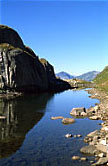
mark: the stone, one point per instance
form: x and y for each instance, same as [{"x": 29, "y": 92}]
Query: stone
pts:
[
  {"x": 83, "y": 114},
  {"x": 75, "y": 158},
  {"x": 94, "y": 117},
  {"x": 87, "y": 139},
  {"x": 92, "y": 134},
  {"x": 101, "y": 147},
  {"x": 83, "y": 159},
  {"x": 78, "y": 135},
  {"x": 101, "y": 155},
  {"x": 96, "y": 138},
  {"x": 68, "y": 120},
  {"x": 105, "y": 128},
  {"x": 90, "y": 149},
  {"x": 101, "y": 161},
  {"x": 93, "y": 142},
  {"x": 78, "y": 111},
  {"x": 96, "y": 108},
  {"x": 57, "y": 117},
  {"x": 68, "y": 135}
]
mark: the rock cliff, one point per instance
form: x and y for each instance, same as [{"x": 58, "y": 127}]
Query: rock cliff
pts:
[
  {"x": 10, "y": 36},
  {"x": 21, "y": 70}
]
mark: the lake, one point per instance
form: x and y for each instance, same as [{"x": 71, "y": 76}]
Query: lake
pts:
[{"x": 28, "y": 137}]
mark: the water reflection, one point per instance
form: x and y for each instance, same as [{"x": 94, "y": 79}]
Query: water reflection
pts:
[{"x": 21, "y": 115}]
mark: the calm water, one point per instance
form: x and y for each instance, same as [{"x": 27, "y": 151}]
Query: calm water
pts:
[{"x": 30, "y": 138}]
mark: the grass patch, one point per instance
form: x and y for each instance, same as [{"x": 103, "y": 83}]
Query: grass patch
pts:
[{"x": 101, "y": 80}]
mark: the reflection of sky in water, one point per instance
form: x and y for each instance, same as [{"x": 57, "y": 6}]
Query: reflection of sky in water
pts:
[{"x": 45, "y": 144}]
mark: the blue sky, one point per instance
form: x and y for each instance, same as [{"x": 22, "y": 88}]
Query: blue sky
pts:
[{"x": 71, "y": 35}]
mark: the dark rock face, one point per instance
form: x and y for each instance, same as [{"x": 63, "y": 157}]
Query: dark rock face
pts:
[
  {"x": 49, "y": 70},
  {"x": 21, "y": 71},
  {"x": 20, "y": 68},
  {"x": 54, "y": 84},
  {"x": 8, "y": 35}
]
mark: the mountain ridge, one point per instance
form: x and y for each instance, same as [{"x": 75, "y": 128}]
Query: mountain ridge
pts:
[{"x": 89, "y": 76}]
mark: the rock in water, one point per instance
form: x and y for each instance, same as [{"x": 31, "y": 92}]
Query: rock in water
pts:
[
  {"x": 101, "y": 161},
  {"x": 68, "y": 120},
  {"x": 81, "y": 111},
  {"x": 90, "y": 149},
  {"x": 75, "y": 157},
  {"x": 83, "y": 159},
  {"x": 68, "y": 135},
  {"x": 56, "y": 117}
]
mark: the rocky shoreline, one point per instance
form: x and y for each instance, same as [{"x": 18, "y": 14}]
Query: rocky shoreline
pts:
[{"x": 98, "y": 139}]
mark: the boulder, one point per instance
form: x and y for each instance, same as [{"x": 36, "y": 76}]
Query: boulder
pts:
[
  {"x": 101, "y": 147},
  {"x": 81, "y": 111},
  {"x": 96, "y": 108},
  {"x": 84, "y": 114},
  {"x": 93, "y": 110},
  {"x": 94, "y": 117},
  {"x": 68, "y": 120},
  {"x": 101, "y": 161},
  {"x": 90, "y": 149},
  {"x": 92, "y": 134},
  {"x": 105, "y": 128},
  {"x": 101, "y": 155}
]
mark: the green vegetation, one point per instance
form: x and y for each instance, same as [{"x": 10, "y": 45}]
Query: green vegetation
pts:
[{"x": 102, "y": 80}]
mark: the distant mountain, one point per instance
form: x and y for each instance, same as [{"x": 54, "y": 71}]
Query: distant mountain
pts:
[
  {"x": 64, "y": 75},
  {"x": 89, "y": 76}
]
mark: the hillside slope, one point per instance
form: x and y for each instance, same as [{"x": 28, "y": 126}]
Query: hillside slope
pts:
[{"x": 102, "y": 79}]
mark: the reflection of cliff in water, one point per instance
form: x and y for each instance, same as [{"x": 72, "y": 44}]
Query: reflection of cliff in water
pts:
[{"x": 21, "y": 115}]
